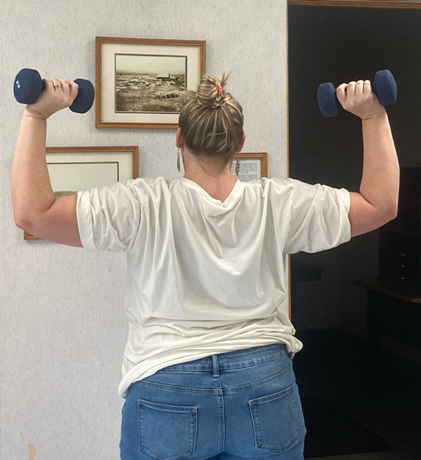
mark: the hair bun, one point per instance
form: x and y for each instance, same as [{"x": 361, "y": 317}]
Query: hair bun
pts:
[
  {"x": 210, "y": 92},
  {"x": 208, "y": 132}
]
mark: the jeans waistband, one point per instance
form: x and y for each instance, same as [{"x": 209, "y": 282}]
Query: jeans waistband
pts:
[{"x": 232, "y": 360}]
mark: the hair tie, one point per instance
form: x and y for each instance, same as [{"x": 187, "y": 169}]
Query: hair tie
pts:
[
  {"x": 221, "y": 98},
  {"x": 219, "y": 86}
]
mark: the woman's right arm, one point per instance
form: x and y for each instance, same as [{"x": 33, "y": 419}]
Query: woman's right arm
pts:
[{"x": 35, "y": 207}]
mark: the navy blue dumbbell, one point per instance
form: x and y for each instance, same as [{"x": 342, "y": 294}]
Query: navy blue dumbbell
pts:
[
  {"x": 384, "y": 86},
  {"x": 28, "y": 87}
]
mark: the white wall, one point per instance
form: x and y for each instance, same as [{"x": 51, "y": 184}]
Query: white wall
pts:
[{"x": 62, "y": 325}]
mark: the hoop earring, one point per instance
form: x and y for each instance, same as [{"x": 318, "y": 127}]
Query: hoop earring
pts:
[
  {"x": 178, "y": 160},
  {"x": 237, "y": 165}
]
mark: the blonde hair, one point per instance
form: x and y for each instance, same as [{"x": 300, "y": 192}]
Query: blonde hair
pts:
[{"x": 212, "y": 122}]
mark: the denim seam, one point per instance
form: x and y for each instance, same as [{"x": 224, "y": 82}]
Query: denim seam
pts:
[
  {"x": 254, "y": 362},
  {"x": 258, "y": 382},
  {"x": 214, "y": 391},
  {"x": 180, "y": 389},
  {"x": 257, "y": 350},
  {"x": 225, "y": 368}
]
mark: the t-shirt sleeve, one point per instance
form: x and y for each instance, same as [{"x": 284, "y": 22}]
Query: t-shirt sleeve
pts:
[
  {"x": 109, "y": 217},
  {"x": 319, "y": 218}
]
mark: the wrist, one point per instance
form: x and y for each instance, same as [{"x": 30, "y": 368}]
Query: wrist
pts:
[
  {"x": 30, "y": 112},
  {"x": 377, "y": 115}
]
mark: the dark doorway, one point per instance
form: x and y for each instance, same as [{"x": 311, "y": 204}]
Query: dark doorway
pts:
[
  {"x": 330, "y": 311},
  {"x": 340, "y": 45}
]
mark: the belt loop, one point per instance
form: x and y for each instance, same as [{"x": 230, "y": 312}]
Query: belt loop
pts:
[{"x": 215, "y": 366}]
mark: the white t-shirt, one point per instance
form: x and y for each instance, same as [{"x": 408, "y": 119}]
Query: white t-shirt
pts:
[{"x": 204, "y": 276}]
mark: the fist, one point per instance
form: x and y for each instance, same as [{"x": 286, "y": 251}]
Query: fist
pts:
[
  {"x": 58, "y": 95},
  {"x": 359, "y": 99}
]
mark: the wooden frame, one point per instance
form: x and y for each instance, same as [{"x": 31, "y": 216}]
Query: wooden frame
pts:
[
  {"x": 256, "y": 164},
  {"x": 400, "y": 4},
  {"x": 139, "y": 82},
  {"x": 73, "y": 169}
]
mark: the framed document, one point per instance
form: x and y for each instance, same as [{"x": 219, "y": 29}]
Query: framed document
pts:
[
  {"x": 253, "y": 166},
  {"x": 74, "y": 169}
]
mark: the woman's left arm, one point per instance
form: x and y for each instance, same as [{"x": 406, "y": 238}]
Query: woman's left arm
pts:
[{"x": 377, "y": 200}]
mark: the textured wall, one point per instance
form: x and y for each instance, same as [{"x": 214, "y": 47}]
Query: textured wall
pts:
[{"x": 62, "y": 326}]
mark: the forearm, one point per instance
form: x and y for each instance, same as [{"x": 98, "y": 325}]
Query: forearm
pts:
[
  {"x": 31, "y": 189},
  {"x": 380, "y": 180}
]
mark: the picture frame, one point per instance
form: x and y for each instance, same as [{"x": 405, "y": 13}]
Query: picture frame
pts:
[
  {"x": 74, "y": 169},
  {"x": 139, "y": 82},
  {"x": 253, "y": 166}
]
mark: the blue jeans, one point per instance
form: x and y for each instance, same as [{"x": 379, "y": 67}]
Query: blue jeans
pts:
[{"x": 237, "y": 405}]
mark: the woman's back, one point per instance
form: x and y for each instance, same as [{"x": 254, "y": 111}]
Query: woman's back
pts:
[{"x": 204, "y": 275}]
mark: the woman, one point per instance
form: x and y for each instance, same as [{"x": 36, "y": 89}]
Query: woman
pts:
[{"x": 207, "y": 369}]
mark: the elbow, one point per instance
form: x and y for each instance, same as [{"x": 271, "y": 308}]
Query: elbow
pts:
[
  {"x": 393, "y": 213},
  {"x": 390, "y": 214},
  {"x": 23, "y": 222}
]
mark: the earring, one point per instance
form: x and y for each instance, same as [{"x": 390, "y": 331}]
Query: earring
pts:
[
  {"x": 178, "y": 160},
  {"x": 237, "y": 166}
]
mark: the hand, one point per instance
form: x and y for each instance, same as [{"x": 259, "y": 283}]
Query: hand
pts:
[
  {"x": 58, "y": 95},
  {"x": 359, "y": 99}
]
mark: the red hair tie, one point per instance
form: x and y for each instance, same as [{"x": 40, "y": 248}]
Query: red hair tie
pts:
[{"x": 220, "y": 99}]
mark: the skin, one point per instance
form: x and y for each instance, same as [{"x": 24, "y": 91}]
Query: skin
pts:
[
  {"x": 377, "y": 202},
  {"x": 207, "y": 173},
  {"x": 37, "y": 211}
]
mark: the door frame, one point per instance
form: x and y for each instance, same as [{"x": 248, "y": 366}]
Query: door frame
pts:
[{"x": 401, "y": 4}]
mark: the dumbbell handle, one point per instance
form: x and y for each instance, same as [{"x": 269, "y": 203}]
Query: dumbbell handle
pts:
[
  {"x": 29, "y": 85},
  {"x": 86, "y": 92},
  {"x": 373, "y": 87},
  {"x": 384, "y": 86}
]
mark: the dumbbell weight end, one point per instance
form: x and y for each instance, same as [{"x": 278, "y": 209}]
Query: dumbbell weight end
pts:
[
  {"x": 327, "y": 99},
  {"x": 28, "y": 86},
  {"x": 85, "y": 97},
  {"x": 384, "y": 86}
]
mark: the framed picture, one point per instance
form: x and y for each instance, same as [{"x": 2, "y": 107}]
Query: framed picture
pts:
[
  {"x": 139, "y": 82},
  {"x": 253, "y": 166},
  {"x": 74, "y": 169}
]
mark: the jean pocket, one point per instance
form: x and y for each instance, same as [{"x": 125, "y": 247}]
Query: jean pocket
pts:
[
  {"x": 167, "y": 432},
  {"x": 276, "y": 420}
]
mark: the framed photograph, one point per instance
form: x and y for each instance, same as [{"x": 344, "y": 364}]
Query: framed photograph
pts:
[
  {"x": 253, "y": 166},
  {"x": 74, "y": 169},
  {"x": 139, "y": 82}
]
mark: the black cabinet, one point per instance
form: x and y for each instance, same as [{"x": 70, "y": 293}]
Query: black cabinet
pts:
[
  {"x": 400, "y": 240},
  {"x": 400, "y": 255},
  {"x": 394, "y": 297}
]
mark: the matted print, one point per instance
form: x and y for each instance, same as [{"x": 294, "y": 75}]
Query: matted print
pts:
[{"x": 140, "y": 82}]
